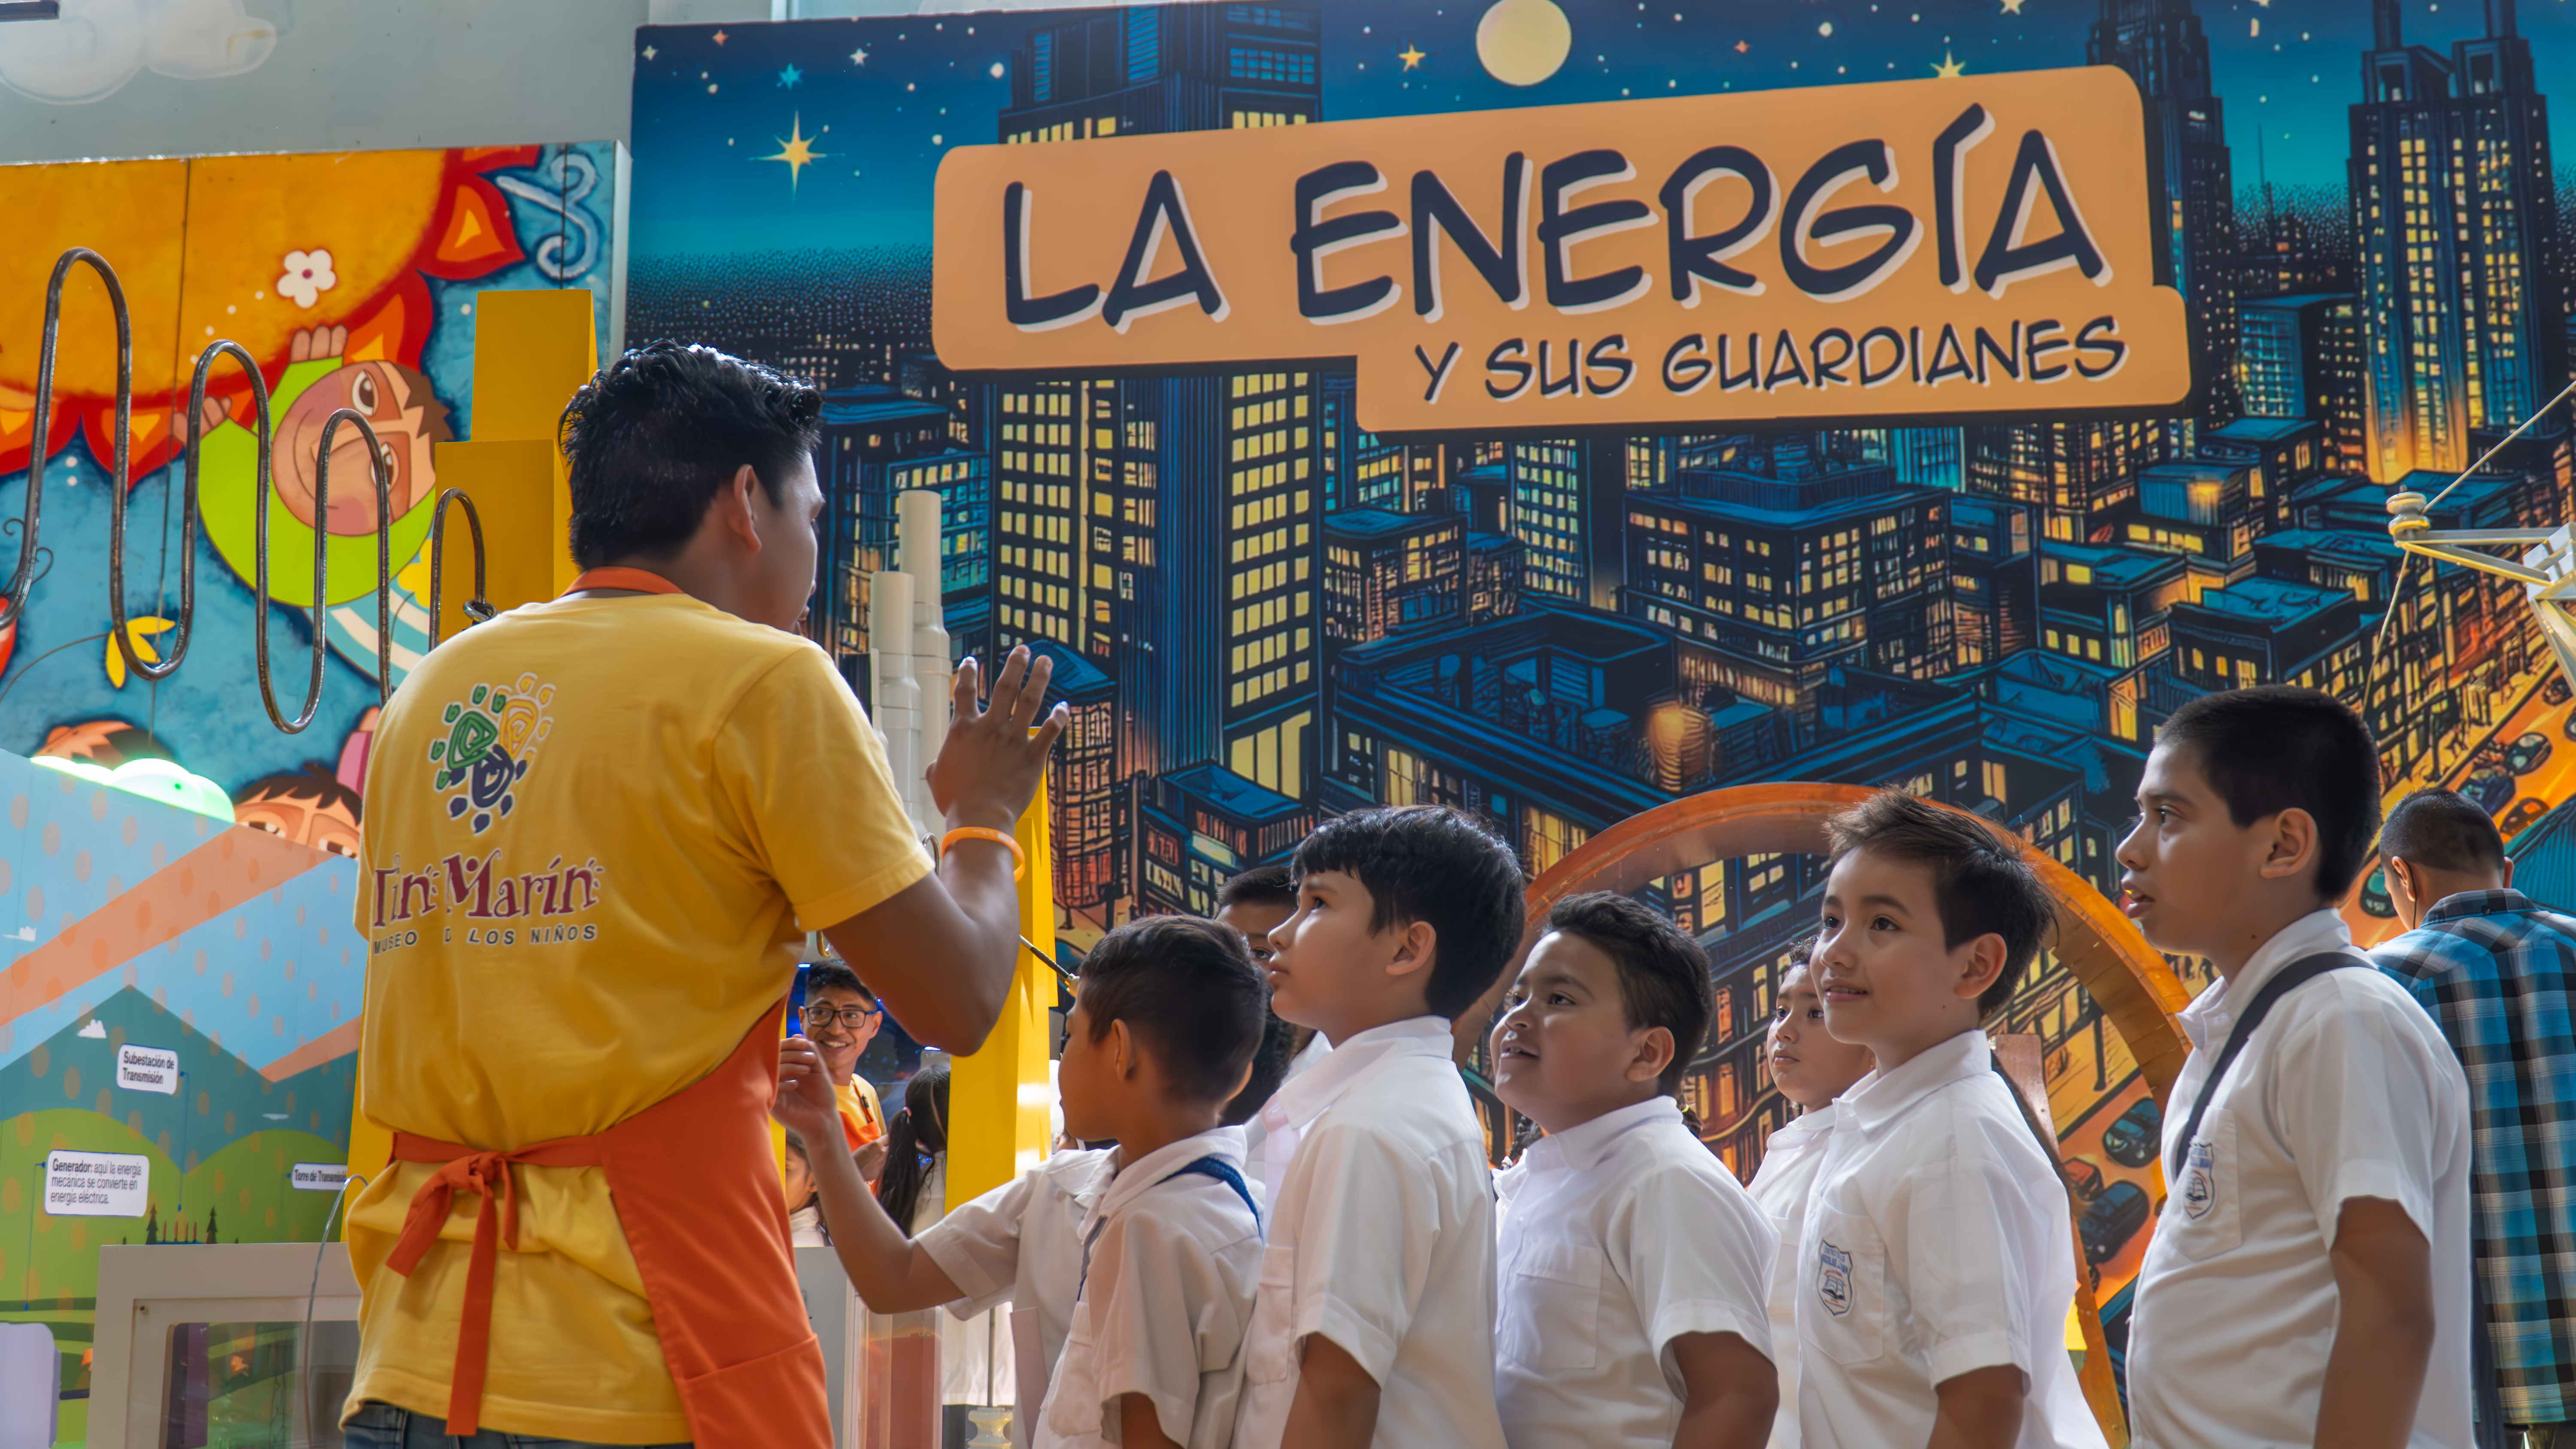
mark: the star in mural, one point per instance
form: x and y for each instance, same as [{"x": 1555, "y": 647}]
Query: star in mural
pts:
[
  {"x": 2013, "y": 7},
  {"x": 650, "y": 52},
  {"x": 797, "y": 150},
  {"x": 1742, "y": 46},
  {"x": 790, "y": 78},
  {"x": 1412, "y": 56},
  {"x": 719, "y": 37},
  {"x": 859, "y": 57},
  {"x": 1949, "y": 67}
]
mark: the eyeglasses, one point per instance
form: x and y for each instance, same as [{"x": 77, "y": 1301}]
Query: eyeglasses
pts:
[{"x": 851, "y": 1018}]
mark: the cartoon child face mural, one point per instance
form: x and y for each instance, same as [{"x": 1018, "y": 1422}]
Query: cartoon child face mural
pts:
[
  {"x": 308, "y": 806},
  {"x": 394, "y": 399}
]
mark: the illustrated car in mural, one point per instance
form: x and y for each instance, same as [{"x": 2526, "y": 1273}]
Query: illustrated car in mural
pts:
[
  {"x": 2113, "y": 1219},
  {"x": 2555, "y": 691},
  {"x": 2131, "y": 1138},
  {"x": 2491, "y": 791},
  {"x": 2527, "y": 754},
  {"x": 2519, "y": 818},
  {"x": 2084, "y": 1177},
  {"x": 2374, "y": 896}
]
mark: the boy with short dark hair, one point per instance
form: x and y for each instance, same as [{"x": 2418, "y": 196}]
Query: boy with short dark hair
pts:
[
  {"x": 1633, "y": 1265},
  {"x": 2493, "y": 968},
  {"x": 1253, "y": 903},
  {"x": 2308, "y": 1281},
  {"x": 1130, "y": 1269},
  {"x": 1936, "y": 1257},
  {"x": 1375, "y": 1323}
]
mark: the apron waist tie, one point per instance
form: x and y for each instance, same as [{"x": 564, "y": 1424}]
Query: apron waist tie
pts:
[{"x": 486, "y": 1174}]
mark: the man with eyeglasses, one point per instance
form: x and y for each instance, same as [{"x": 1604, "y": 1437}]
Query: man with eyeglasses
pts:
[{"x": 841, "y": 1017}]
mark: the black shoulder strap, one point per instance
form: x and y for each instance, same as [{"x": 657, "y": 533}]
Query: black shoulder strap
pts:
[{"x": 2293, "y": 976}]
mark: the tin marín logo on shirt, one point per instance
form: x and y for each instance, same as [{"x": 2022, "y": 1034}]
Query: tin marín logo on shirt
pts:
[
  {"x": 2199, "y": 1182},
  {"x": 1833, "y": 1279},
  {"x": 501, "y": 908},
  {"x": 492, "y": 736}
]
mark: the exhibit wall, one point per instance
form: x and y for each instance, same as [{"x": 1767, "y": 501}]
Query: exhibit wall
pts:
[
  {"x": 1556, "y": 409},
  {"x": 215, "y": 948}
]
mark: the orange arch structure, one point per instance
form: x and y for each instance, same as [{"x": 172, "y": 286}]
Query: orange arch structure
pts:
[{"x": 2135, "y": 988}]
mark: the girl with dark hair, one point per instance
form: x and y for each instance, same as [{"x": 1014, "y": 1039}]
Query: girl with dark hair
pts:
[{"x": 914, "y": 1186}]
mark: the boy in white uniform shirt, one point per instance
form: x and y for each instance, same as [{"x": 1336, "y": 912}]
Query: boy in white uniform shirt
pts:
[
  {"x": 1936, "y": 1263},
  {"x": 2308, "y": 1281},
  {"x": 1633, "y": 1266},
  {"x": 1167, "y": 1242},
  {"x": 1811, "y": 1069},
  {"x": 1375, "y": 1323}
]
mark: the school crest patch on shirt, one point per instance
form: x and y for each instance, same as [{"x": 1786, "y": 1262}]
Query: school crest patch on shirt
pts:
[
  {"x": 2199, "y": 1182},
  {"x": 1834, "y": 1279}
]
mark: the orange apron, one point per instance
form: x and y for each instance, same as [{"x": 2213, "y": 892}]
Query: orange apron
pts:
[{"x": 695, "y": 1180}]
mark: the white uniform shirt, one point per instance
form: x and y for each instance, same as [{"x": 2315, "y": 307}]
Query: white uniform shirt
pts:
[
  {"x": 1936, "y": 1242},
  {"x": 1256, "y": 1133},
  {"x": 2346, "y": 1090},
  {"x": 1617, "y": 1237},
  {"x": 1788, "y": 1173},
  {"x": 1164, "y": 1303},
  {"x": 1022, "y": 1243},
  {"x": 1381, "y": 1240}
]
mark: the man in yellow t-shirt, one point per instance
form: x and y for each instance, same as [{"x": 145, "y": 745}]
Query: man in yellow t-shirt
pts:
[
  {"x": 596, "y": 831},
  {"x": 841, "y": 1017}
]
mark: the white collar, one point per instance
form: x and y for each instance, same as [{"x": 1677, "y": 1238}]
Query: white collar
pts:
[
  {"x": 1883, "y": 1096},
  {"x": 1795, "y": 1131},
  {"x": 1304, "y": 1099},
  {"x": 1132, "y": 1182},
  {"x": 1581, "y": 1147},
  {"x": 2321, "y": 930}
]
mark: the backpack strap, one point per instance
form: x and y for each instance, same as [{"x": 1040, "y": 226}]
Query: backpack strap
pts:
[
  {"x": 1223, "y": 1171},
  {"x": 2291, "y": 977}
]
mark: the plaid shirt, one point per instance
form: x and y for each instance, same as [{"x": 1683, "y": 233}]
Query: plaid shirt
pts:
[{"x": 2495, "y": 971}]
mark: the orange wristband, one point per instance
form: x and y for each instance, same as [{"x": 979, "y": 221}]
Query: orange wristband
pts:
[{"x": 1019, "y": 857}]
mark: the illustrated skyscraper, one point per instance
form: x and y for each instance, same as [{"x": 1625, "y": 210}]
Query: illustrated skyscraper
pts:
[
  {"x": 2455, "y": 222},
  {"x": 2160, "y": 44},
  {"x": 1164, "y": 528}
]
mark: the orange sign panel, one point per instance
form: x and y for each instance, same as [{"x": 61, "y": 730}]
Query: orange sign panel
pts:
[{"x": 1963, "y": 245}]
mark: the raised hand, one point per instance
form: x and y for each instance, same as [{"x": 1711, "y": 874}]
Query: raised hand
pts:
[
  {"x": 988, "y": 767},
  {"x": 804, "y": 1103}
]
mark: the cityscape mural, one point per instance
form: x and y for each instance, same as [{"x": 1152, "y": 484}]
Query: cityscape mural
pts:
[{"x": 1262, "y": 614}]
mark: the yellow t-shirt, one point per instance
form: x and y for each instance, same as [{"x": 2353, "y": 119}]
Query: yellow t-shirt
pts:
[{"x": 656, "y": 799}]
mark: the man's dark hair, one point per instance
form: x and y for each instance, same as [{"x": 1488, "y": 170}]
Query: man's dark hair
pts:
[
  {"x": 2278, "y": 748},
  {"x": 1263, "y": 885},
  {"x": 1663, "y": 973},
  {"x": 1431, "y": 864},
  {"x": 836, "y": 976},
  {"x": 1269, "y": 1070},
  {"x": 2440, "y": 830},
  {"x": 656, "y": 433},
  {"x": 1189, "y": 993},
  {"x": 1980, "y": 885}
]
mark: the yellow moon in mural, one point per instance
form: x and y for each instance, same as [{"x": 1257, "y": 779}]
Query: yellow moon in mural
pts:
[{"x": 1522, "y": 42}]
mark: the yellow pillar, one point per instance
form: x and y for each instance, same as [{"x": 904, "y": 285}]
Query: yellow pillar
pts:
[
  {"x": 532, "y": 350},
  {"x": 997, "y": 1098}
]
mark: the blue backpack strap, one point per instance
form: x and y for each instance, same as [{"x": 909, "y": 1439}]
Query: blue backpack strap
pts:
[{"x": 1223, "y": 1171}]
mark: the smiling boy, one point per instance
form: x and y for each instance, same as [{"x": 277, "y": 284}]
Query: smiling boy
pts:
[
  {"x": 1937, "y": 1257},
  {"x": 2308, "y": 1281},
  {"x": 1633, "y": 1266},
  {"x": 1811, "y": 1069},
  {"x": 1375, "y": 1323}
]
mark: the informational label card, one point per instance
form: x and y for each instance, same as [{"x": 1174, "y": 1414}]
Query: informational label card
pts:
[
  {"x": 96, "y": 1184},
  {"x": 147, "y": 1069},
  {"x": 319, "y": 1176}
]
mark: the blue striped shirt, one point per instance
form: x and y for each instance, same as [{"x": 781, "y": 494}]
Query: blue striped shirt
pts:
[{"x": 2494, "y": 970}]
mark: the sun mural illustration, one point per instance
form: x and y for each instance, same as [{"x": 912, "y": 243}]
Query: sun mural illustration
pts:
[{"x": 320, "y": 267}]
